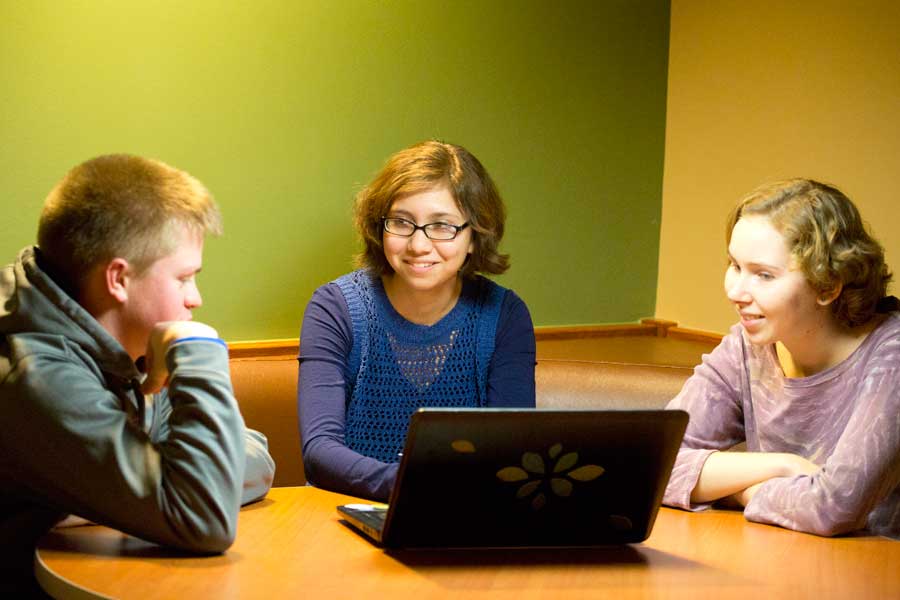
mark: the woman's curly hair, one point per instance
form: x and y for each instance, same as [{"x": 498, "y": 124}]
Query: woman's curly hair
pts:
[{"x": 829, "y": 241}]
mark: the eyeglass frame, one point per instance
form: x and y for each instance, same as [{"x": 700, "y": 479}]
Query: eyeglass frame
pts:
[{"x": 424, "y": 228}]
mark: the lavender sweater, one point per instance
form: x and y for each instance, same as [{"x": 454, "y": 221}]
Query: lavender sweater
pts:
[{"x": 845, "y": 419}]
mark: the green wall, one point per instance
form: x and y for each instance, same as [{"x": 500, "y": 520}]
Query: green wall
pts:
[{"x": 286, "y": 108}]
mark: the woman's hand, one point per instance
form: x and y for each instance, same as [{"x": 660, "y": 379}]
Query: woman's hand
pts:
[{"x": 794, "y": 464}]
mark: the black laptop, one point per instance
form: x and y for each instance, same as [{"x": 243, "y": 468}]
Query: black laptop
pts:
[{"x": 533, "y": 478}]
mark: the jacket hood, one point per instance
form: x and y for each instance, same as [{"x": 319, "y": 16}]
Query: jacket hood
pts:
[{"x": 31, "y": 302}]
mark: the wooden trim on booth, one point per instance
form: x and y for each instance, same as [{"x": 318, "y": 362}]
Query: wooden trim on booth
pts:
[
  {"x": 264, "y": 349},
  {"x": 694, "y": 335},
  {"x": 288, "y": 348},
  {"x": 579, "y": 332},
  {"x": 662, "y": 325},
  {"x": 670, "y": 329}
]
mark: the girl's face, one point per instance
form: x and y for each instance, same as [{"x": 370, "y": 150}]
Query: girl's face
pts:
[
  {"x": 422, "y": 264},
  {"x": 769, "y": 291}
]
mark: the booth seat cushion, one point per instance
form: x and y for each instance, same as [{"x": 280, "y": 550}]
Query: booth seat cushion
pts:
[
  {"x": 266, "y": 390},
  {"x": 606, "y": 385}
]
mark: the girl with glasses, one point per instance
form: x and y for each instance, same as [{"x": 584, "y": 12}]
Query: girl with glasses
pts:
[
  {"x": 416, "y": 325},
  {"x": 808, "y": 379}
]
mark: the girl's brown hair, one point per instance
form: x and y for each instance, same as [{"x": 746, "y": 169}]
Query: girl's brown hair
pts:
[{"x": 423, "y": 167}]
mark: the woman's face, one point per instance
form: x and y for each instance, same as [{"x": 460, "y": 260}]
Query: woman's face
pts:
[
  {"x": 769, "y": 291},
  {"x": 420, "y": 263}
]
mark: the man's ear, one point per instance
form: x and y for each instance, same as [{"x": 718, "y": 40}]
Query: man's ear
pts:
[
  {"x": 828, "y": 296},
  {"x": 117, "y": 276}
]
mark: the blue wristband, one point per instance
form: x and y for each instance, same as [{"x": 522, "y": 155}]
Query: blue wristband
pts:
[{"x": 199, "y": 338}]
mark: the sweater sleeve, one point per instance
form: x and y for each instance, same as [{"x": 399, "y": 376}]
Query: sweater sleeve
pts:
[
  {"x": 712, "y": 398},
  {"x": 511, "y": 371},
  {"x": 86, "y": 454},
  {"x": 326, "y": 340},
  {"x": 259, "y": 467},
  {"x": 858, "y": 475}
]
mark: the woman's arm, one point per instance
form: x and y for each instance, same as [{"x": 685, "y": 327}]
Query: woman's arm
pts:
[
  {"x": 861, "y": 471},
  {"x": 325, "y": 343},
  {"x": 712, "y": 398},
  {"x": 732, "y": 473},
  {"x": 511, "y": 371}
]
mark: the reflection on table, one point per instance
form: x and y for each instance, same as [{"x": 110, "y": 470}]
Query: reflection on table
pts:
[{"x": 293, "y": 544}]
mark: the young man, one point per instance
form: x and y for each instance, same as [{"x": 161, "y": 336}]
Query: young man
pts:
[{"x": 115, "y": 406}]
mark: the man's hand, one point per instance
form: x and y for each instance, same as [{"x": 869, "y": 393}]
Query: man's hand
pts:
[{"x": 161, "y": 338}]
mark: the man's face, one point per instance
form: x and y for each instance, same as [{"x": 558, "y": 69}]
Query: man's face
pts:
[{"x": 165, "y": 291}]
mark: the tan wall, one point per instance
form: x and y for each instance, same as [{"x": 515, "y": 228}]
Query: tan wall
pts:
[{"x": 769, "y": 90}]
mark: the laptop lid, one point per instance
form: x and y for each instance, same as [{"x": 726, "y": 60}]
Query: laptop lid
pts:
[{"x": 511, "y": 477}]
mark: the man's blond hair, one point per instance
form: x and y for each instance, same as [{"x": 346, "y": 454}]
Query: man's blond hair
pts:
[{"x": 121, "y": 205}]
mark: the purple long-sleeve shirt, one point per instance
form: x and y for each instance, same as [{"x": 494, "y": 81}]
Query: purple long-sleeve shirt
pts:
[
  {"x": 326, "y": 339},
  {"x": 845, "y": 419}
]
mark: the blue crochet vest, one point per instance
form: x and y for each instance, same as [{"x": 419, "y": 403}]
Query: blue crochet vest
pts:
[{"x": 396, "y": 367}]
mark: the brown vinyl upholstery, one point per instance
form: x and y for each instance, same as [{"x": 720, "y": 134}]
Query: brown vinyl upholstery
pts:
[
  {"x": 266, "y": 390},
  {"x": 606, "y": 385}
]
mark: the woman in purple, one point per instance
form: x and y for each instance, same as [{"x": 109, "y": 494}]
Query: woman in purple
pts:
[
  {"x": 809, "y": 378},
  {"x": 417, "y": 325}
]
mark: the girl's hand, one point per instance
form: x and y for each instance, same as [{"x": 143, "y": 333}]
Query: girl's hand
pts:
[
  {"x": 734, "y": 473},
  {"x": 791, "y": 465}
]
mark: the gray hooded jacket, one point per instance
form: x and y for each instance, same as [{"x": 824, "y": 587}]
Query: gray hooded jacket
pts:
[{"x": 76, "y": 436}]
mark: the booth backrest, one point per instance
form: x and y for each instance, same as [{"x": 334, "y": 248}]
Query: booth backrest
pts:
[
  {"x": 606, "y": 385},
  {"x": 266, "y": 390}
]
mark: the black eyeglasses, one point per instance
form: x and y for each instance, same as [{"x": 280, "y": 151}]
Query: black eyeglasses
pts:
[{"x": 433, "y": 231}]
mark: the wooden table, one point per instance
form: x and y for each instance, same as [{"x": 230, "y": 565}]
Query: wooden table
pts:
[{"x": 293, "y": 545}]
